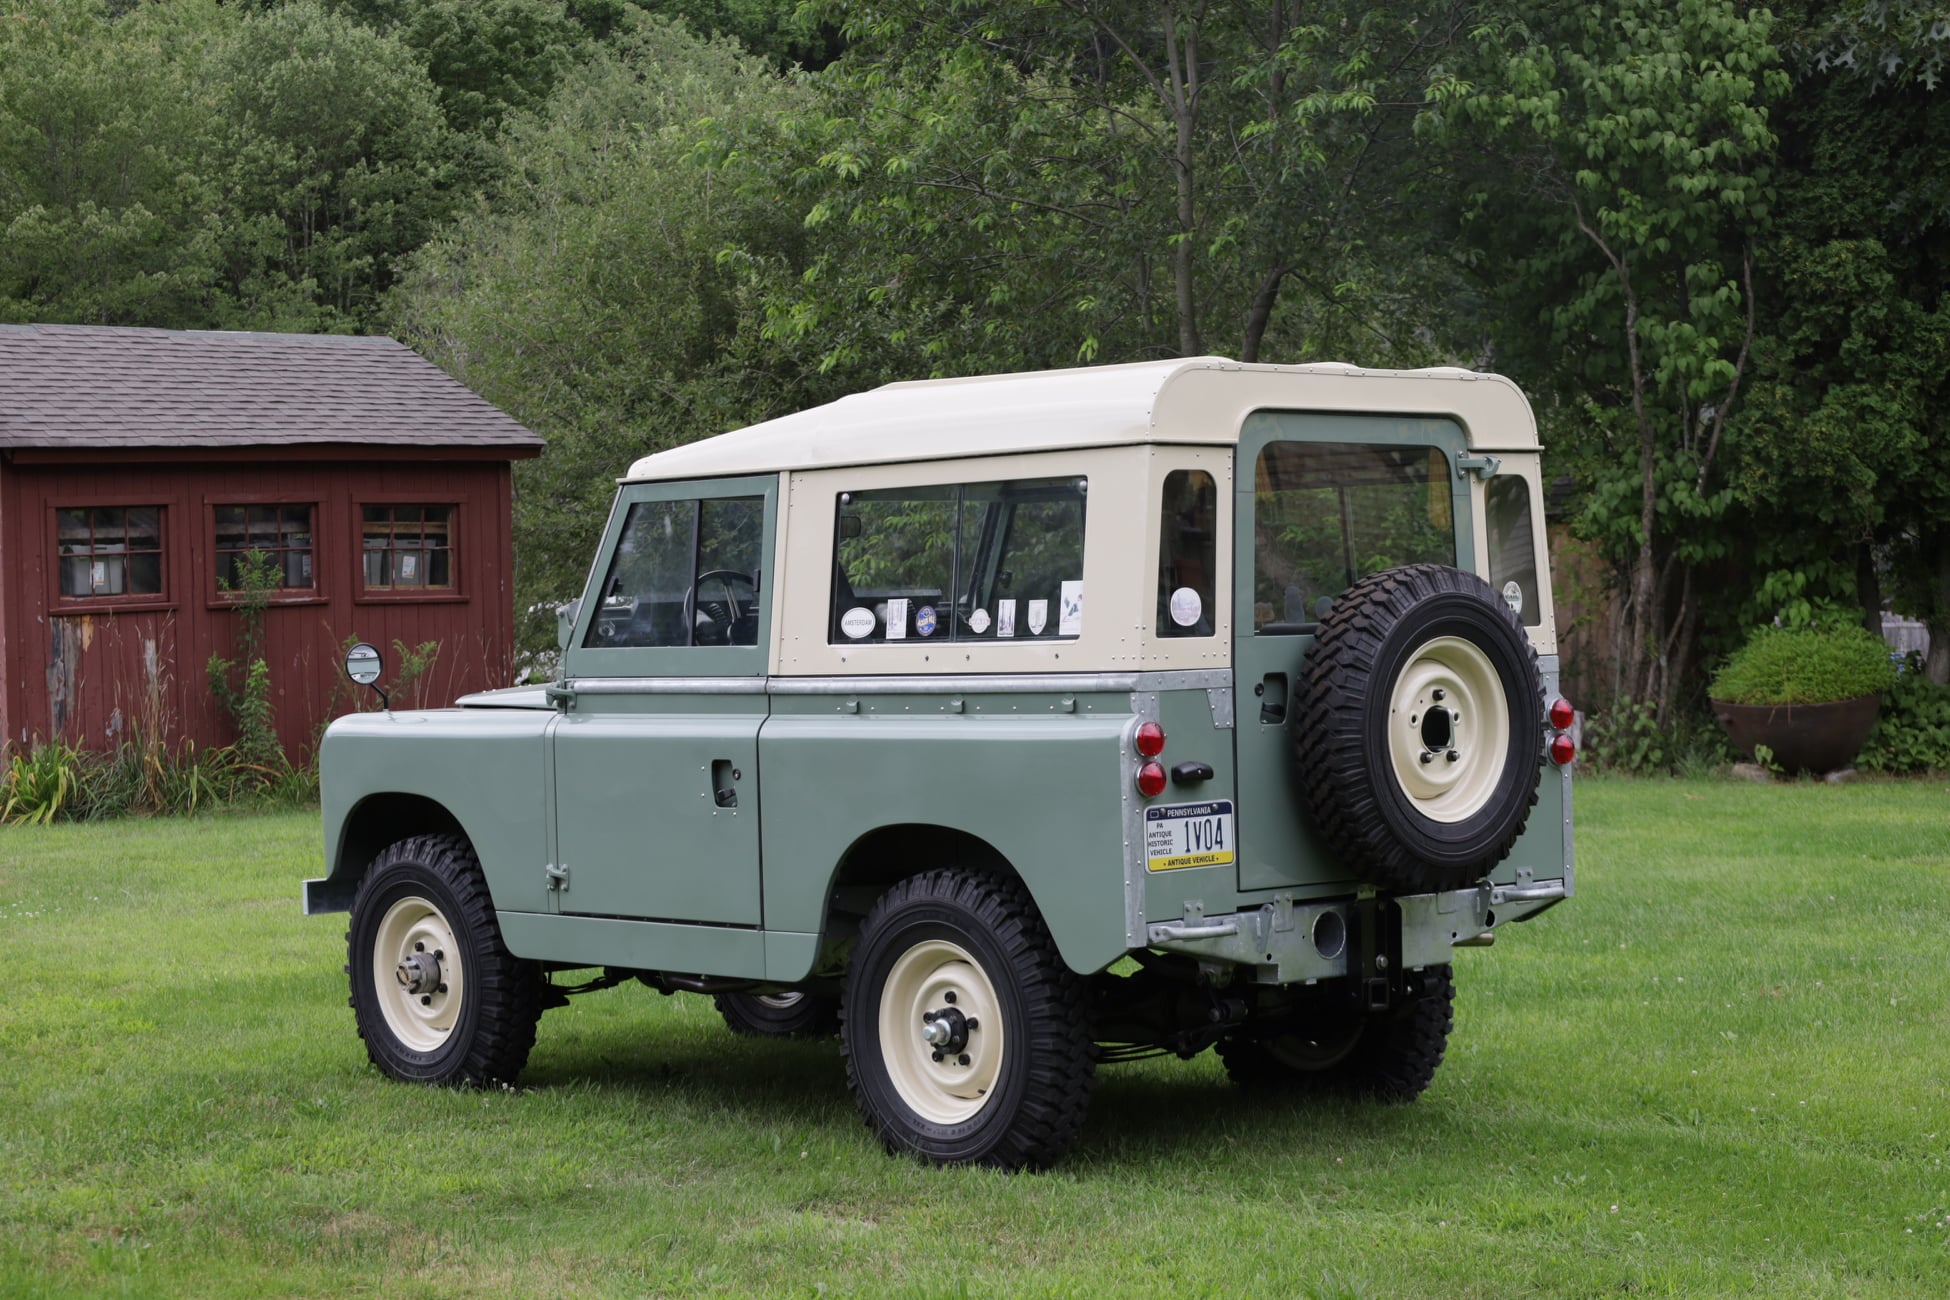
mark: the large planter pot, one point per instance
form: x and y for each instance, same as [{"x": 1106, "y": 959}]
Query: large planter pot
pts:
[{"x": 1803, "y": 737}]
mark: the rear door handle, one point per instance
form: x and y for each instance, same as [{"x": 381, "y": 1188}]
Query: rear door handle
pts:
[{"x": 1191, "y": 773}]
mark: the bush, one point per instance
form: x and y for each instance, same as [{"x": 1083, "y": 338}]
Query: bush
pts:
[
  {"x": 1804, "y": 666},
  {"x": 1627, "y": 738},
  {"x": 1913, "y": 732},
  {"x": 58, "y": 782}
]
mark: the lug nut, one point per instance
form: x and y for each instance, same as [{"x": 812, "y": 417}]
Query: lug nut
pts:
[
  {"x": 425, "y": 1000},
  {"x": 1427, "y": 757},
  {"x": 971, "y": 1024},
  {"x": 1437, "y": 694},
  {"x": 927, "y": 1017},
  {"x": 441, "y": 989},
  {"x": 1453, "y": 756},
  {"x": 962, "y": 1059},
  {"x": 949, "y": 997},
  {"x": 440, "y": 954},
  {"x": 419, "y": 947},
  {"x": 937, "y": 1058}
]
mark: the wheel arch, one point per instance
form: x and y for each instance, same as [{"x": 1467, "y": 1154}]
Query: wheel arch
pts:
[
  {"x": 376, "y": 821},
  {"x": 883, "y": 857}
]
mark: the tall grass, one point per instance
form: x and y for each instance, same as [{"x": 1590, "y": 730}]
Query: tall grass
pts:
[{"x": 56, "y": 781}]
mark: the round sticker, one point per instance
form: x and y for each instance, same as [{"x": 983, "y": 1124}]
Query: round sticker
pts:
[
  {"x": 858, "y": 622},
  {"x": 1186, "y": 607},
  {"x": 978, "y": 622},
  {"x": 1513, "y": 596},
  {"x": 924, "y": 620}
]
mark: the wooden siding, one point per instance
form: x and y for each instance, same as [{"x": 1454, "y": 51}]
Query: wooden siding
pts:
[{"x": 89, "y": 670}]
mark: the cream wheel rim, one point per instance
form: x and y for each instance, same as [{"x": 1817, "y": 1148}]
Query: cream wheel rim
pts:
[
  {"x": 937, "y": 980},
  {"x": 417, "y": 974},
  {"x": 1448, "y": 729}
]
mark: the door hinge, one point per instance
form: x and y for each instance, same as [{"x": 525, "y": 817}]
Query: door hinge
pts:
[
  {"x": 558, "y": 876},
  {"x": 1480, "y": 466}
]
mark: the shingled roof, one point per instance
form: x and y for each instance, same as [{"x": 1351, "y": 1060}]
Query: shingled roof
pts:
[{"x": 81, "y": 386}]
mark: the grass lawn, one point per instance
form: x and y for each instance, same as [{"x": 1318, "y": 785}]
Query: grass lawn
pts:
[{"x": 1724, "y": 1068}]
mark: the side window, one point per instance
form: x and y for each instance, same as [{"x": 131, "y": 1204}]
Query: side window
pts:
[
  {"x": 1187, "y": 553},
  {"x": 1513, "y": 545},
  {"x": 685, "y": 573},
  {"x": 1327, "y": 513},
  {"x": 970, "y": 562},
  {"x": 110, "y": 551}
]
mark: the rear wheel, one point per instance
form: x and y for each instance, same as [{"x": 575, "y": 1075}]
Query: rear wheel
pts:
[
  {"x": 965, "y": 1034},
  {"x": 1392, "y": 1056},
  {"x": 789, "y": 1014},
  {"x": 436, "y": 995}
]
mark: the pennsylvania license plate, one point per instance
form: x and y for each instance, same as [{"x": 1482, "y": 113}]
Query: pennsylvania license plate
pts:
[{"x": 1188, "y": 835}]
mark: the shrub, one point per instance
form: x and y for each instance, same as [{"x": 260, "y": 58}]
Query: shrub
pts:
[
  {"x": 1804, "y": 666},
  {"x": 1913, "y": 732},
  {"x": 1627, "y": 738}
]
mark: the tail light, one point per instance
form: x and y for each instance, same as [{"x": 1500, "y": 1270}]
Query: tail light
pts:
[
  {"x": 1150, "y": 739},
  {"x": 1562, "y": 748},
  {"x": 1151, "y": 780}
]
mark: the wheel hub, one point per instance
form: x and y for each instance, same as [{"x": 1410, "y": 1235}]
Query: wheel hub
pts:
[
  {"x": 419, "y": 973},
  {"x": 1448, "y": 729},
  {"x": 946, "y": 1031}
]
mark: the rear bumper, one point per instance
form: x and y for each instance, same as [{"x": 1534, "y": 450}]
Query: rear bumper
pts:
[{"x": 1287, "y": 942}]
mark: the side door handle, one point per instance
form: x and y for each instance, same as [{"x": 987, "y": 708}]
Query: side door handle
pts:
[{"x": 724, "y": 779}]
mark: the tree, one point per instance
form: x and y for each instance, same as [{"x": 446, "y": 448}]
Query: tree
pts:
[
  {"x": 1627, "y": 187},
  {"x": 587, "y": 295}
]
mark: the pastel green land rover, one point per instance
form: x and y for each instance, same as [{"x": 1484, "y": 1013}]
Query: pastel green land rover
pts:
[{"x": 1009, "y": 727}]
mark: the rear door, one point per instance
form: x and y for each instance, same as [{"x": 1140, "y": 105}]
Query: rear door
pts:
[
  {"x": 1322, "y": 499},
  {"x": 656, "y": 757}
]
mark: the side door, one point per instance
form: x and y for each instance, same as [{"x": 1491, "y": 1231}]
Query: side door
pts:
[
  {"x": 655, "y": 760},
  {"x": 1321, "y": 500}
]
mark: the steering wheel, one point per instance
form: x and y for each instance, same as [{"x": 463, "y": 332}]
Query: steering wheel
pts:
[{"x": 720, "y": 618}]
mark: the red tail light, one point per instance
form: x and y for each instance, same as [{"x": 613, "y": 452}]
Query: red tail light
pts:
[
  {"x": 1150, "y": 739},
  {"x": 1151, "y": 780},
  {"x": 1563, "y": 750},
  {"x": 1562, "y": 714}
]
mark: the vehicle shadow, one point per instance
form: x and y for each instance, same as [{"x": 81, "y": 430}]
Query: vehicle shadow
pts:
[{"x": 1163, "y": 1109}]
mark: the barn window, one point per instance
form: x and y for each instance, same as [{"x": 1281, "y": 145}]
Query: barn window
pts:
[
  {"x": 110, "y": 551},
  {"x": 409, "y": 548},
  {"x": 282, "y": 533}
]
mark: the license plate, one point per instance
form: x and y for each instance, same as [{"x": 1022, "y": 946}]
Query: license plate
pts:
[{"x": 1188, "y": 835}]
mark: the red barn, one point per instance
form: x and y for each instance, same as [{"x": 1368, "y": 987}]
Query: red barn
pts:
[{"x": 137, "y": 466}]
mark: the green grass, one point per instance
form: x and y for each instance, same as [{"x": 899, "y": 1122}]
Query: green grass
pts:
[{"x": 1721, "y": 1069}]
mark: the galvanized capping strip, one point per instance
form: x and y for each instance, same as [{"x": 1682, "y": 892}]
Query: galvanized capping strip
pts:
[{"x": 956, "y": 683}]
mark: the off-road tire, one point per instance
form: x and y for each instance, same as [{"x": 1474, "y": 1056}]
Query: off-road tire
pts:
[
  {"x": 1390, "y": 1057},
  {"x": 780, "y": 1015},
  {"x": 487, "y": 1036},
  {"x": 1042, "y": 1065},
  {"x": 1384, "y": 632}
]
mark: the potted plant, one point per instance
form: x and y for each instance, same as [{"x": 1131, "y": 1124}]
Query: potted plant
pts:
[{"x": 1808, "y": 694}]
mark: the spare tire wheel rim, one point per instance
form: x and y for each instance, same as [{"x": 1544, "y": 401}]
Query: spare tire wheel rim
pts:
[
  {"x": 1448, "y": 729},
  {"x": 417, "y": 974},
  {"x": 941, "y": 1033}
]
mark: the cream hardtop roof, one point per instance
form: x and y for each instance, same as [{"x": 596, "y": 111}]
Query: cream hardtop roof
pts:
[{"x": 1195, "y": 400}]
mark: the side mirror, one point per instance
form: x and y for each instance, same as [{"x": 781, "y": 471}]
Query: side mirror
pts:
[
  {"x": 364, "y": 665},
  {"x": 565, "y": 622}
]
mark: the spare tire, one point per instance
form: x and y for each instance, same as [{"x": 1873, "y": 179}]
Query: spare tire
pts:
[{"x": 1419, "y": 732}]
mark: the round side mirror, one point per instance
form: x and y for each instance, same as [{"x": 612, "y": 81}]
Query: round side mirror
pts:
[{"x": 363, "y": 664}]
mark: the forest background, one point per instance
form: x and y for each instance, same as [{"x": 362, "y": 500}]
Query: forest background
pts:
[{"x": 1707, "y": 238}]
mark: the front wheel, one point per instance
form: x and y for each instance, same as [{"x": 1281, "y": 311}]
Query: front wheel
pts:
[
  {"x": 965, "y": 1035},
  {"x": 787, "y": 1014},
  {"x": 436, "y": 995},
  {"x": 1392, "y": 1056}
]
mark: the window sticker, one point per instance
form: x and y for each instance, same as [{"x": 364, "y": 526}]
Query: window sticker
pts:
[
  {"x": 1071, "y": 622},
  {"x": 858, "y": 622},
  {"x": 1513, "y": 597},
  {"x": 1038, "y": 616},
  {"x": 1005, "y": 617},
  {"x": 924, "y": 621},
  {"x": 1186, "y": 607},
  {"x": 897, "y": 619},
  {"x": 978, "y": 622}
]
